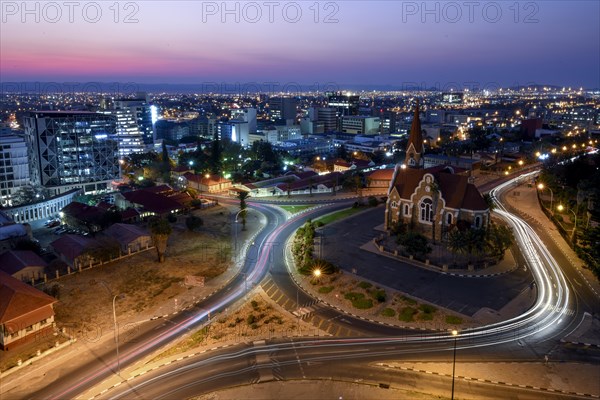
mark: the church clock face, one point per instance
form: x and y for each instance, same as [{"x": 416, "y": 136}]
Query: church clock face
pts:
[{"x": 427, "y": 189}]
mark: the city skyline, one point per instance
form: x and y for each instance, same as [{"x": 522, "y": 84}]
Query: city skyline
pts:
[{"x": 376, "y": 44}]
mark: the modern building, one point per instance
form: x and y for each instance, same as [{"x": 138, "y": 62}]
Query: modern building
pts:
[
  {"x": 14, "y": 167},
  {"x": 129, "y": 136},
  {"x": 171, "y": 130},
  {"x": 248, "y": 115},
  {"x": 360, "y": 125},
  {"x": 234, "y": 130},
  {"x": 283, "y": 108},
  {"x": 325, "y": 116},
  {"x": 72, "y": 150},
  {"x": 288, "y": 132},
  {"x": 343, "y": 103},
  {"x": 140, "y": 107}
]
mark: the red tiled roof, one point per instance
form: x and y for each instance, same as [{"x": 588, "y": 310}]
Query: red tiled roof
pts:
[
  {"x": 14, "y": 261},
  {"x": 129, "y": 213},
  {"x": 152, "y": 202},
  {"x": 22, "y": 305},
  {"x": 71, "y": 246},
  {"x": 382, "y": 174},
  {"x": 82, "y": 212},
  {"x": 125, "y": 233},
  {"x": 104, "y": 206},
  {"x": 454, "y": 189}
]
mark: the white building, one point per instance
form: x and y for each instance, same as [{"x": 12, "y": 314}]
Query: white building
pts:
[
  {"x": 129, "y": 135},
  {"x": 358, "y": 124},
  {"x": 14, "y": 167},
  {"x": 246, "y": 114}
]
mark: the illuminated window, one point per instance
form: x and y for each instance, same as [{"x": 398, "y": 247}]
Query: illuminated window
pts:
[{"x": 426, "y": 210}]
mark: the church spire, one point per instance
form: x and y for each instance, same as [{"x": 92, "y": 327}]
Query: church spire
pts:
[{"x": 414, "y": 148}]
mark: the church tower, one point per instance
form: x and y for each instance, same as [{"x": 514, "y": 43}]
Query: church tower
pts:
[{"x": 414, "y": 149}]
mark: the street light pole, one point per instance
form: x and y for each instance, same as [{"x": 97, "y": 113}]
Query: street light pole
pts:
[
  {"x": 541, "y": 187},
  {"x": 455, "y": 334},
  {"x": 116, "y": 334}
]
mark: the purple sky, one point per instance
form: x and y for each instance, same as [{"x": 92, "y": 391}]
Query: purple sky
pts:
[{"x": 372, "y": 42}]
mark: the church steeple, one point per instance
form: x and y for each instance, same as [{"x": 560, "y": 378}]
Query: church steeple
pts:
[{"x": 414, "y": 148}]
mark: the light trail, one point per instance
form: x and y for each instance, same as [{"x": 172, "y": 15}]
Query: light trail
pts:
[{"x": 543, "y": 320}]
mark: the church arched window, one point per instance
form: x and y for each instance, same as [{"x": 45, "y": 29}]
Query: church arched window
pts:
[
  {"x": 426, "y": 210},
  {"x": 449, "y": 219},
  {"x": 477, "y": 222},
  {"x": 406, "y": 210}
]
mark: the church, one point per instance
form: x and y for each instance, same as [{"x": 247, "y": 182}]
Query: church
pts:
[{"x": 431, "y": 200}]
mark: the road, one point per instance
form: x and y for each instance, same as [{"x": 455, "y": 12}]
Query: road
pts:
[{"x": 527, "y": 336}]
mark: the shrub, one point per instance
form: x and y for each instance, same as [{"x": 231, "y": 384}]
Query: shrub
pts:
[
  {"x": 372, "y": 200},
  {"x": 388, "y": 312},
  {"x": 251, "y": 319},
  {"x": 427, "y": 309},
  {"x": 406, "y": 314},
  {"x": 325, "y": 289},
  {"x": 408, "y": 300},
  {"x": 193, "y": 222},
  {"x": 426, "y": 317},
  {"x": 358, "y": 300},
  {"x": 379, "y": 295},
  {"x": 453, "y": 319},
  {"x": 254, "y": 304},
  {"x": 365, "y": 285}
]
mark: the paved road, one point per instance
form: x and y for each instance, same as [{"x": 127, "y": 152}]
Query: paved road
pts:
[{"x": 341, "y": 245}]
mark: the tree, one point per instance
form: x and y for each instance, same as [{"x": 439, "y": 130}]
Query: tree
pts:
[
  {"x": 242, "y": 196},
  {"x": 342, "y": 153},
  {"x": 160, "y": 230},
  {"x": 498, "y": 239},
  {"x": 489, "y": 201},
  {"x": 415, "y": 244},
  {"x": 456, "y": 242},
  {"x": 215, "y": 156},
  {"x": 193, "y": 222}
]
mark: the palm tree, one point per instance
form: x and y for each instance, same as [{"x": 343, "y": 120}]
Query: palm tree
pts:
[
  {"x": 457, "y": 243},
  {"x": 160, "y": 229},
  {"x": 242, "y": 196}
]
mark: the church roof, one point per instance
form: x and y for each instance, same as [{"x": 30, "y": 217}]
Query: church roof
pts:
[
  {"x": 456, "y": 190},
  {"x": 416, "y": 136}
]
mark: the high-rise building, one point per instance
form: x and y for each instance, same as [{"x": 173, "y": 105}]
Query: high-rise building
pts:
[
  {"x": 344, "y": 104},
  {"x": 14, "y": 167},
  {"x": 283, "y": 108},
  {"x": 72, "y": 149},
  {"x": 129, "y": 135},
  {"x": 140, "y": 107},
  {"x": 248, "y": 115},
  {"x": 327, "y": 117},
  {"x": 234, "y": 130}
]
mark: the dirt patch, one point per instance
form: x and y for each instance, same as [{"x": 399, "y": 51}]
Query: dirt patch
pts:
[
  {"x": 257, "y": 318},
  {"x": 147, "y": 288}
]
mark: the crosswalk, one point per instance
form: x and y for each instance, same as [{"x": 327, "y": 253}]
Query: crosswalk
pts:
[{"x": 309, "y": 312}]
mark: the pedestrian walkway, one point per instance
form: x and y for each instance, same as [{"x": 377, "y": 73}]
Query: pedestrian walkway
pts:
[
  {"x": 574, "y": 379},
  {"x": 524, "y": 200}
]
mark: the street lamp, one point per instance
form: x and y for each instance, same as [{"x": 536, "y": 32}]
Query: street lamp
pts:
[
  {"x": 455, "y": 334},
  {"x": 116, "y": 332},
  {"x": 541, "y": 187},
  {"x": 560, "y": 208}
]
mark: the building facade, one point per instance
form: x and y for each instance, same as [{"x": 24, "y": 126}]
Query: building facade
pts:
[
  {"x": 14, "y": 167},
  {"x": 72, "y": 149},
  {"x": 129, "y": 136}
]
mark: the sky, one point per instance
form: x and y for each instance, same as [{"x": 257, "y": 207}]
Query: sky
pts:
[{"x": 483, "y": 44}]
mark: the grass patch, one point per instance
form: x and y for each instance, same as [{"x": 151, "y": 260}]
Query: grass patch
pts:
[
  {"x": 328, "y": 219},
  {"x": 388, "y": 312},
  {"x": 358, "y": 300},
  {"x": 407, "y": 314},
  {"x": 365, "y": 285},
  {"x": 453, "y": 319},
  {"x": 298, "y": 208},
  {"x": 325, "y": 289}
]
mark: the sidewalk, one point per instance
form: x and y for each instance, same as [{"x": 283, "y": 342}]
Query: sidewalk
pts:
[
  {"x": 37, "y": 375},
  {"x": 524, "y": 199}
]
